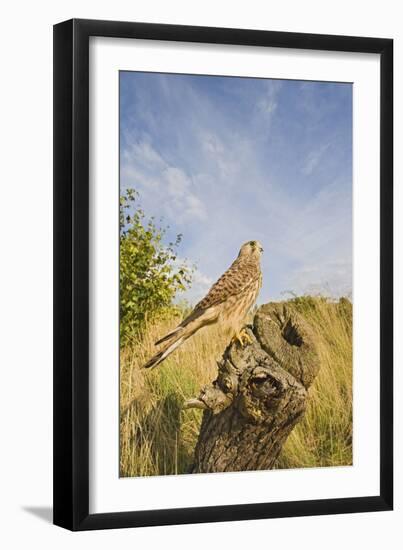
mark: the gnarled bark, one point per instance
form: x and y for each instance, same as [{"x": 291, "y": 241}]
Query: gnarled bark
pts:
[{"x": 259, "y": 395}]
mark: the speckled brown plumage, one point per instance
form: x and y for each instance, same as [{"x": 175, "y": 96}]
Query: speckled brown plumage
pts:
[
  {"x": 238, "y": 278},
  {"x": 227, "y": 302}
]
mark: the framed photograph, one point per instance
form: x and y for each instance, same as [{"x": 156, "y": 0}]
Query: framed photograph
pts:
[{"x": 223, "y": 240}]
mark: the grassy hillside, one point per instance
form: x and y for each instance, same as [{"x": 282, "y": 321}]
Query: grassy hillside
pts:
[{"x": 157, "y": 437}]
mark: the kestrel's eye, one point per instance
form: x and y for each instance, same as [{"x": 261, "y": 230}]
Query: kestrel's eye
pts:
[{"x": 253, "y": 243}]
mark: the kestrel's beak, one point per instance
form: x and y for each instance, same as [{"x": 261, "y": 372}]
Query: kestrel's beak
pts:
[{"x": 261, "y": 249}]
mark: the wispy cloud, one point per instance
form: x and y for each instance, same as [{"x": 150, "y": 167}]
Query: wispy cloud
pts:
[
  {"x": 314, "y": 158},
  {"x": 268, "y": 102},
  {"x": 143, "y": 168}
]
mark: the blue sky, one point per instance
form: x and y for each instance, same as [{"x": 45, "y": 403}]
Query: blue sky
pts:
[{"x": 224, "y": 160}]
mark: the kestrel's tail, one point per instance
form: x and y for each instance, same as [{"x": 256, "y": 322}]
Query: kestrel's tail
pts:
[
  {"x": 173, "y": 340},
  {"x": 196, "y": 320}
]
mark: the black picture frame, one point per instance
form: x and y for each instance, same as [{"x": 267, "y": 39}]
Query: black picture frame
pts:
[{"x": 71, "y": 274}]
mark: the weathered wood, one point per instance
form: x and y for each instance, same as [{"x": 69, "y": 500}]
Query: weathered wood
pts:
[{"x": 259, "y": 395}]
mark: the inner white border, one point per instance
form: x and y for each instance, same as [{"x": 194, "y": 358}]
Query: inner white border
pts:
[{"x": 108, "y": 493}]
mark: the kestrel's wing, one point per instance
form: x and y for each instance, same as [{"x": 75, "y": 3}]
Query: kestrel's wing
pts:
[{"x": 233, "y": 282}]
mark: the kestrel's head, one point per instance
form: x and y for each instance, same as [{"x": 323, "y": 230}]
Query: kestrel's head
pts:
[{"x": 252, "y": 249}]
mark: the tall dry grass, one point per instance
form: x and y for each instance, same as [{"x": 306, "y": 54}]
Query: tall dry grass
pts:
[
  {"x": 157, "y": 437},
  {"x": 324, "y": 437}
]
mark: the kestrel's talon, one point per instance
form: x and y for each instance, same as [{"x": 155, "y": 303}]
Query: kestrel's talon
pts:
[{"x": 242, "y": 337}]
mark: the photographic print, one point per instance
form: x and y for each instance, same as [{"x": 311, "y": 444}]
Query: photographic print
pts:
[{"x": 235, "y": 274}]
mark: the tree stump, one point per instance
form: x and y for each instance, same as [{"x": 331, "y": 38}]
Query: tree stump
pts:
[{"x": 259, "y": 395}]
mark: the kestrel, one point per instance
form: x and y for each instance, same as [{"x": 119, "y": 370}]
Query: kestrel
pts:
[{"x": 227, "y": 303}]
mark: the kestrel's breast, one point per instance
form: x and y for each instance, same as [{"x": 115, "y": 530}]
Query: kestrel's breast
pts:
[{"x": 236, "y": 307}]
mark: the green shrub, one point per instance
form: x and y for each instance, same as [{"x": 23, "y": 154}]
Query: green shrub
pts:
[{"x": 150, "y": 274}]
